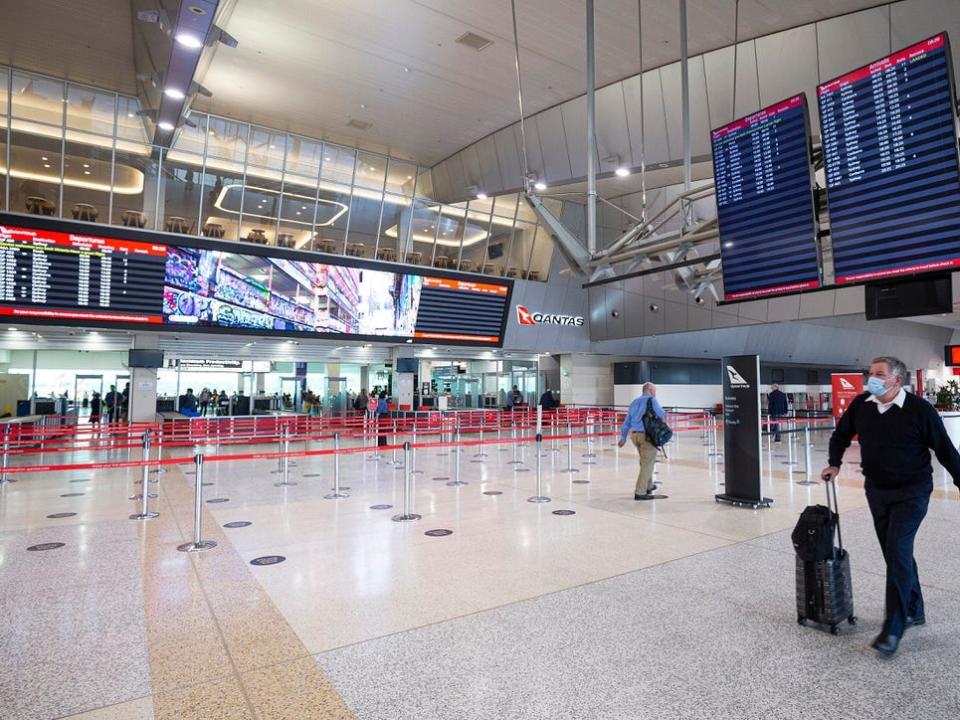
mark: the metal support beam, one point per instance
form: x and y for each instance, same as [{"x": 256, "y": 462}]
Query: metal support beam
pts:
[
  {"x": 591, "y": 136},
  {"x": 685, "y": 98},
  {"x": 570, "y": 246}
]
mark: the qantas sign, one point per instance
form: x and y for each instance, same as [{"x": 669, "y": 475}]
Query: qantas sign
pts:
[{"x": 525, "y": 317}]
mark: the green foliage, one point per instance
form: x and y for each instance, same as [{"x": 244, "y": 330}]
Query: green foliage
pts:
[{"x": 948, "y": 395}]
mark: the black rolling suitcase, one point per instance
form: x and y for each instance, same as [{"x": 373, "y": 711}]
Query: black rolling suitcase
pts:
[{"x": 824, "y": 590}]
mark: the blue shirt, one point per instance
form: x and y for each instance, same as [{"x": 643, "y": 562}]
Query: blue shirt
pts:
[{"x": 634, "y": 419}]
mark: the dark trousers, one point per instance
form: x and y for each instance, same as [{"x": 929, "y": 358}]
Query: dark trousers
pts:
[
  {"x": 896, "y": 518},
  {"x": 776, "y": 427}
]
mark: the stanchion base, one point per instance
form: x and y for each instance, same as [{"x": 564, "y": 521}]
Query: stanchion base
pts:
[
  {"x": 580, "y": 482},
  {"x": 455, "y": 483},
  {"x": 373, "y": 458},
  {"x": 4, "y": 481},
  {"x": 335, "y": 495},
  {"x": 743, "y": 502},
  {"x": 416, "y": 472},
  {"x": 197, "y": 547},
  {"x": 405, "y": 518},
  {"x": 284, "y": 484},
  {"x": 521, "y": 469},
  {"x": 140, "y": 497},
  {"x": 442, "y": 478},
  {"x": 144, "y": 516},
  {"x": 515, "y": 462},
  {"x": 790, "y": 462},
  {"x": 807, "y": 482},
  {"x": 480, "y": 455},
  {"x": 589, "y": 455},
  {"x": 650, "y": 497},
  {"x": 538, "y": 499},
  {"x": 569, "y": 470},
  {"x": 158, "y": 471}
]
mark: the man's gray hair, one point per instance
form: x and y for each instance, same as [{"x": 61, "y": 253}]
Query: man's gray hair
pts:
[
  {"x": 647, "y": 385},
  {"x": 896, "y": 366}
]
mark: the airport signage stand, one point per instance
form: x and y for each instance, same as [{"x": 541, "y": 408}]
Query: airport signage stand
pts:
[{"x": 741, "y": 433}]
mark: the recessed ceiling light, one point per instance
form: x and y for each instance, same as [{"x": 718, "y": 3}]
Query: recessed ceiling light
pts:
[
  {"x": 540, "y": 185},
  {"x": 409, "y": 340},
  {"x": 481, "y": 196},
  {"x": 728, "y": 244},
  {"x": 406, "y": 69},
  {"x": 86, "y": 172},
  {"x": 129, "y": 114},
  {"x": 86, "y": 165},
  {"x": 44, "y": 158},
  {"x": 327, "y": 159},
  {"x": 212, "y": 132},
  {"x": 189, "y": 40},
  {"x": 46, "y": 165},
  {"x": 165, "y": 126},
  {"x": 299, "y": 213},
  {"x": 273, "y": 147},
  {"x": 175, "y": 93},
  {"x": 622, "y": 171},
  {"x": 409, "y": 177},
  {"x": 363, "y": 105}
]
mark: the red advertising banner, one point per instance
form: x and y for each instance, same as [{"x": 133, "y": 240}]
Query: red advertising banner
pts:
[{"x": 846, "y": 386}]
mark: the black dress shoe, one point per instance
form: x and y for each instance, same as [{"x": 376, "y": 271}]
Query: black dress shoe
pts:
[
  {"x": 915, "y": 620},
  {"x": 638, "y": 496},
  {"x": 885, "y": 644}
]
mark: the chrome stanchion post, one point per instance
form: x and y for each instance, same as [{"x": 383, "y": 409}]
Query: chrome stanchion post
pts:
[
  {"x": 790, "y": 454},
  {"x": 144, "y": 513},
  {"x": 413, "y": 452},
  {"x": 808, "y": 469},
  {"x": 539, "y": 497},
  {"x": 198, "y": 543},
  {"x": 336, "y": 470},
  {"x": 393, "y": 460},
  {"x": 514, "y": 443},
  {"x": 480, "y": 453},
  {"x": 716, "y": 444},
  {"x": 6, "y": 455},
  {"x": 158, "y": 470},
  {"x": 285, "y": 459},
  {"x": 456, "y": 476},
  {"x": 570, "y": 468},
  {"x": 407, "y": 488}
]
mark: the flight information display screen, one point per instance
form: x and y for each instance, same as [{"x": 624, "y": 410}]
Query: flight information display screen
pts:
[
  {"x": 890, "y": 156},
  {"x": 50, "y": 275},
  {"x": 765, "y": 204}
]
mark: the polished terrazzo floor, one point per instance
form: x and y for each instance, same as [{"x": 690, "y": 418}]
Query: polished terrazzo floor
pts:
[{"x": 675, "y": 608}]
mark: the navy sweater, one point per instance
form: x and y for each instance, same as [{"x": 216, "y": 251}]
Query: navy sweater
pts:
[{"x": 895, "y": 446}]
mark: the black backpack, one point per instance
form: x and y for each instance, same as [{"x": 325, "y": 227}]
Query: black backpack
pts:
[
  {"x": 657, "y": 430},
  {"x": 813, "y": 535}
]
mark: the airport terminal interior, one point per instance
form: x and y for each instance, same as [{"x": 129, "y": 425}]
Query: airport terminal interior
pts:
[{"x": 488, "y": 359}]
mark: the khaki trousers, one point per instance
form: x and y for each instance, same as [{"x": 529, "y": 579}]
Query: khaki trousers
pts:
[{"x": 648, "y": 458}]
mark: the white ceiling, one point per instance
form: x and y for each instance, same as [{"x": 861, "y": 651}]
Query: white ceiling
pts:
[{"x": 309, "y": 66}]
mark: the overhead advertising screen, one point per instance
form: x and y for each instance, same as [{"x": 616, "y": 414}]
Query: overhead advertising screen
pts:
[
  {"x": 51, "y": 275},
  {"x": 765, "y": 203},
  {"x": 890, "y": 156}
]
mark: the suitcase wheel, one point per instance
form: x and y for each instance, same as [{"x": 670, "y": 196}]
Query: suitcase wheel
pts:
[
  {"x": 852, "y": 619},
  {"x": 801, "y": 620},
  {"x": 834, "y": 630}
]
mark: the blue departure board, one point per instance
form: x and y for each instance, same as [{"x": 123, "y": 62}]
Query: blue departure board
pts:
[
  {"x": 765, "y": 204},
  {"x": 890, "y": 155}
]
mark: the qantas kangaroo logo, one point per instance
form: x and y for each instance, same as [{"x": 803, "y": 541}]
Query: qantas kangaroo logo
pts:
[
  {"x": 736, "y": 379},
  {"x": 525, "y": 317},
  {"x": 846, "y": 384}
]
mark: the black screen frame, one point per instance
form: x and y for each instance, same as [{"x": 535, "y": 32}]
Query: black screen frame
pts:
[
  {"x": 815, "y": 224},
  {"x": 80, "y": 227}
]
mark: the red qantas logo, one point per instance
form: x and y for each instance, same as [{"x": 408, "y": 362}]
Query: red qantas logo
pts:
[{"x": 525, "y": 317}]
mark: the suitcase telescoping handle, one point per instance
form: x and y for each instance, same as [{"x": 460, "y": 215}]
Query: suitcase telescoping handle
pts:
[{"x": 834, "y": 506}]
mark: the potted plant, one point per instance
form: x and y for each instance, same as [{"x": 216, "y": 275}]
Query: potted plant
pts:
[{"x": 948, "y": 395}]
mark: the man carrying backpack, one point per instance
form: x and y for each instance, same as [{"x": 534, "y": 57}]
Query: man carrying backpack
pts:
[{"x": 634, "y": 425}]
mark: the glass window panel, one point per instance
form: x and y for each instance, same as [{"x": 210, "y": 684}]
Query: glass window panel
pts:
[
  {"x": 129, "y": 123},
  {"x": 400, "y": 177},
  {"x": 135, "y": 207},
  {"x": 405, "y": 229},
  {"x": 450, "y": 232},
  {"x": 297, "y": 210},
  {"x": 523, "y": 236},
  {"x": 525, "y": 212},
  {"x": 498, "y": 244},
  {"x": 3, "y": 163},
  {"x": 303, "y": 160},
  {"x": 261, "y": 208},
  {"x": 4, "y": 89},
  {"x": 371, "y": 170},
  {"x": 86, "y": 179},
  {"x": 542, "y": 255},
  {"x": 338, "y": 163},
  {"x": 90, "y": 110},
  {"x": 226, "y": 145},
  {"x": 37, "y": 98},
  {"x": 192, "y": 140},
  {"x": 35, "y": 173},
  {"x": 364, "y": 221},
  {"x": 506, "y": 206},
  {"x": 333, "y": 214},
  {"x": 181, "y": 187},
  {"x": 425, "y": 184},
  {"x": 266, "y": 149},
  {"x": 475, "y": 235}
]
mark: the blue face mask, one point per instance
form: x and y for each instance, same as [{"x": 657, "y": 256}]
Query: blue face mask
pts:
[{"x": 876, "y": 386}]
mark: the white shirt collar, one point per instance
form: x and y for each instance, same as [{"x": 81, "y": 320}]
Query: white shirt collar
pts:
[{"x": 898, "y": 400}]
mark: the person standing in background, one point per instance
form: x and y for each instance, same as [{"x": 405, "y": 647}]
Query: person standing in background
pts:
[{"x": 777, "y": 408}]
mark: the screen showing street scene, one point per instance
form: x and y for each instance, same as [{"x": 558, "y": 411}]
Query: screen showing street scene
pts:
[{"x": 220, "y": 289}]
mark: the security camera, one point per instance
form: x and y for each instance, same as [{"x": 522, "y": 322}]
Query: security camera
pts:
[
  {"x": 615, "y": 313},
  {"x": 698, "y": 301},
  {"x": 654, "y": 307}
]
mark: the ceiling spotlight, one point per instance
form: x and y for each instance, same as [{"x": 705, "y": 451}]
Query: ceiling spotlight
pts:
[
  {"x": 481, "y": 196},
  {"x": 86, "y": 172},
  {"x": 409, "y": 340},
  {"x": 46, "y": 165},
  {"x": 189, "y": 40},
  {"x": 406, "y": 69},
  {"x": 44, "y": 158},
  {"x": 129, "y": 114},
  {"x": 86, "y": 165},
  {"x": 622, "y": 171},
  {"x": 540, "y": 185},
  {"x": 363, "y": 105},
  {"x": 167, "y": 126},
  {"x": 175, "y": 93}
]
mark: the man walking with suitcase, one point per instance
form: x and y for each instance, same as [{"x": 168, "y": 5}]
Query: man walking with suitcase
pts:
[
  {"x": 896, "y": 430},
  {"x": 633, "y": 424}
]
